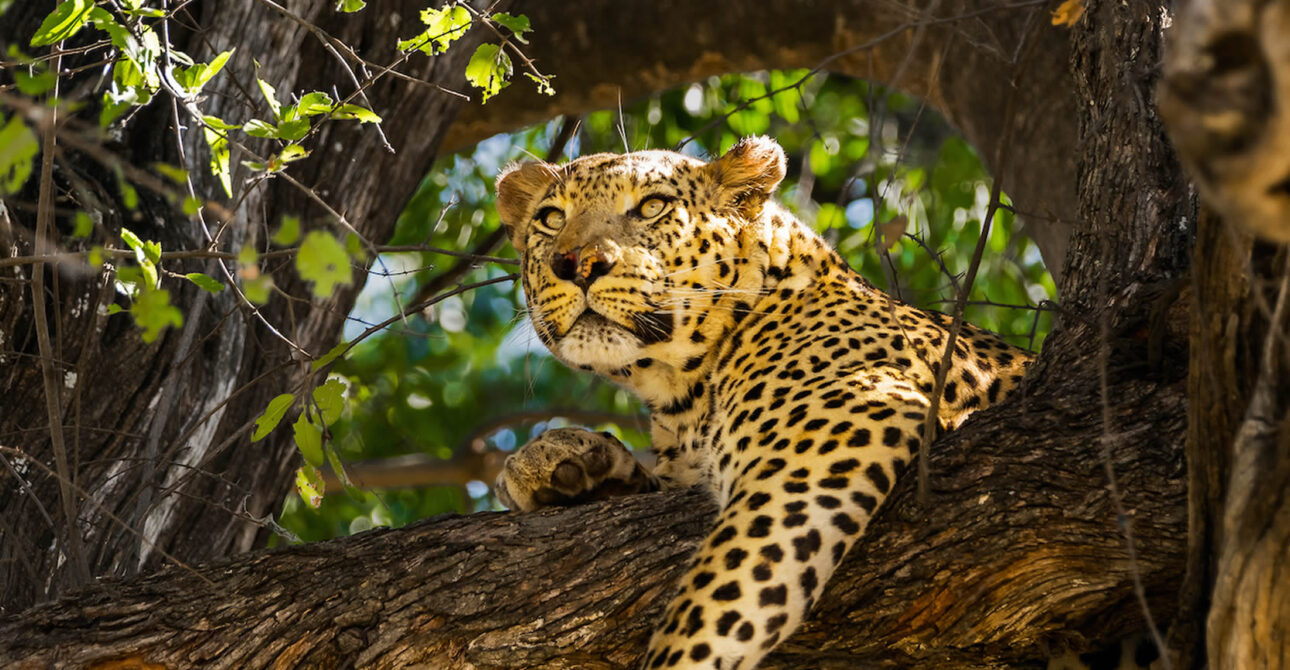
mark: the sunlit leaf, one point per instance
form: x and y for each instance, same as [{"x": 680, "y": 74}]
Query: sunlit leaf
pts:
[
  {"x": 288, "y": 233},
  {"x": 355, "y": 112},
  {"x": 18, "y": 149},
  {"x": 270, "y": 96},
  {"x": 206, "y": 282},
  {"x": 309, "y": 485},
  {"x": 489, "y": 70},
  {"x": 350, "y": 6},
  {"x": 66, "y": 19},
  {"x": 330, "y": 398},
  {"x": 330, "y": 356},
  {"x": 322, "y": 260},
  {"x": 308, "y": 437},
  {"x": 272, "y": 416},
  {"x": 518, "y": 24},
  {"x": 444, "y": 27},
  {"x": 316, "y": 102},
  {"x": 153, "y": 313}
]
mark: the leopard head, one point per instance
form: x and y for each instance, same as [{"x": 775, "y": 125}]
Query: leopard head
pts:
[{"x": 639, "y": 256}]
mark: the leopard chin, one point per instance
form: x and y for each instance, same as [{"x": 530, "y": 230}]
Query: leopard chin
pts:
[{"x": 598, "y": 342}]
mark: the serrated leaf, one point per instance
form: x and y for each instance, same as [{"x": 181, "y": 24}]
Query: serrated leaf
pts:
[
  {"x": 66, "y": 19},
  {"x": 350, "y": 6},
  {"x": 355, "y": 112},
  {"x": 518, "y": 24},
  {"x": 18, "y": 149},
  {"x": 309, "y": 440},
  {"x": 330, "y": 356},
  {"x": 206, "y": 282},
  {"x": 309, "y": 485},
  {"x": 323, "y": 261},
  {"x": 316, "y": 102},
  {"x": 330, "y": 398},
  {"x": 272, "y": 416},
  {"x": 153, "y": 313},
  {"x": 271, "y": 97},
  {"x": 288, "y": 233},
  {"x": 489, "y": 70}
]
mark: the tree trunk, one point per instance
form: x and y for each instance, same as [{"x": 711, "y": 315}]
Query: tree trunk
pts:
[
  {"x": 1020, "y": 487},
  {"x": 156, "y": 435}
]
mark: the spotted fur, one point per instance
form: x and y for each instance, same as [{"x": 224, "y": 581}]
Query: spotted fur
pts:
[{"x": 775, "y": 375}]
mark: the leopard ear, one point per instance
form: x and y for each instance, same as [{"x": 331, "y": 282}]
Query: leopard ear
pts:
[
  {"x": 518, "y": 186},
  {"x": 748, "y": 174}
]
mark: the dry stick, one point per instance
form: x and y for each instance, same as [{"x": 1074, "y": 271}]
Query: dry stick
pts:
[
  {"x": 53, "y": 399},
  {"x": 1002, "y": 155}
]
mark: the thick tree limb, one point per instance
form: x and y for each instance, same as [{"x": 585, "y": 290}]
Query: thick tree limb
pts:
[
  {"x": 604, "y": 52},
  {"x": 1021, "y": 552}
]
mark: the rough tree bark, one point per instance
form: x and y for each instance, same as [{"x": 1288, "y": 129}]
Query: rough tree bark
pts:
[
  {"x": 1019, "y": 554},
  {"x": 1025, "y": 548}
]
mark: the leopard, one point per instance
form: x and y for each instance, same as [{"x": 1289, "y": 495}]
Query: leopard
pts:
[{"x": 776, "y": 376}]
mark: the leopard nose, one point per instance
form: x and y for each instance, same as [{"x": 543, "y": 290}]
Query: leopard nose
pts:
[{"x": 582, "y": 267}]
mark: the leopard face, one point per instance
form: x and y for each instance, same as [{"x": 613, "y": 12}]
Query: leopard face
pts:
[{"x": 628, "y": 258}]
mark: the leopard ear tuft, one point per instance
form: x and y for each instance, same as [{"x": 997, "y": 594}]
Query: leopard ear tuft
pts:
[
  {"x": 518, "y": 187},
  {"x": 748, "y": 174}
]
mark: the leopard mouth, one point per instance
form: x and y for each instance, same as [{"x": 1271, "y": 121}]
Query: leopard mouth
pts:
[{"x": 647, "y": 328}]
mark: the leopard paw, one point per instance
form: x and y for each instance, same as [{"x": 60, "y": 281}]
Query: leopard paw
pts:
[{"x": 570, "y": 466}]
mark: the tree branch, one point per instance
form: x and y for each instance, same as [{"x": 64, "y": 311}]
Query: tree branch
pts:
[{"x": 1019, "y": 554}]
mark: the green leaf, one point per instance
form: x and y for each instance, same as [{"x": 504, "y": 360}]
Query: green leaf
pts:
[
  {"x": 18, "y": 149},
  {"x": 218, "y": 143},
  {"x": 309, "y": 440},
  {"x": 114, "y": 309},
  {"x": 354, "y": 247},
  {"x": 323, "y": 261},
  {"x": 293, "y": 130},
  {"x": 257, "y": 290},
  {"x": 174, "y": 173},
  {"x": 272, "y": 416},
  {"x": 67, "y": 18},
  {"x": 206, "y": 282},
  {"x": 517, "y": 24},
  {"x": 350, "y": 6},
  {"x": 271, "y": 97},
  {"x": 34, "y": 84},
  {"x": 153, "y": 313},
  {"x": 543, "y": 83},
  {"x": 330, "y": 398},
  {"x": 192, "y": 205},
  {"x": 258, "y": 128},
  {"x": 309, "y": 484},
  {"x": 195, "y": 77},
  {"x": 330, "y": 356},
  {"x": 489, "y": 69},
  {"x": 445, "y": 26},
  {"x": 84, "y": 225},
  {"x": 316, "y": 102},
  {"x": 288, "y": 232},
  {"x": 354, "y": 112}
]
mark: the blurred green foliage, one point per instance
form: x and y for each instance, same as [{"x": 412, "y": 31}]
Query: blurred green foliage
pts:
[{"x": 858, "y": 154}]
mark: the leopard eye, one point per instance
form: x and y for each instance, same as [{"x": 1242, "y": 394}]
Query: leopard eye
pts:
[
  {"x": 552, "y": 217},
  {"x": 651, "y": 207}
]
